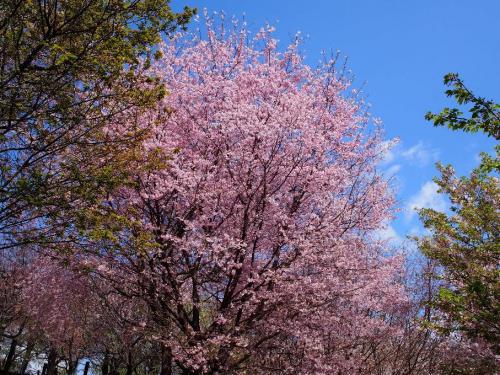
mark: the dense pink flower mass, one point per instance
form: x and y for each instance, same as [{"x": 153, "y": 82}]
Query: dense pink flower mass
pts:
[
  {"x": 258, "y": 221},
  {"x": 58, "y": 305}
]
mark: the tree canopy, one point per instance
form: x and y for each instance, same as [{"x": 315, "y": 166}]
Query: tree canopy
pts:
[
  {"x": 205, "y": 202},
  {"x": 465, "y": 243},
  {"x": 67, "y": 67}
]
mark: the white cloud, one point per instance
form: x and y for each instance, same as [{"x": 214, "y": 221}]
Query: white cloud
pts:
[
  {"x": 389, "y": 153},
  {"x": 392, "y": 170},
  {"x": 420, "y": 154},
  {"x": 388, "y": 233},
  {"x": 427, "y": 197},
  {"x": 419, "y": 230},
  {"x": 387, "y": 150},
  {"x": 416, "y": 231}
]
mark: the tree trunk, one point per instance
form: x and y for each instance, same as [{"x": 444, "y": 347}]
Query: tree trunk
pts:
[
  {"x": 52, "y": 363},
  {"x": 166, "y": 361},
  {"x": 114, "y": 365},
  {"x": 73, "y": 365},
  {"x": 27, "y": 357},
  {"x": 129, "y": 363},
  {"x": 105, "y": 364},
  {"x": 10, "y": 356},
  {"x": 86, "y": 369}
]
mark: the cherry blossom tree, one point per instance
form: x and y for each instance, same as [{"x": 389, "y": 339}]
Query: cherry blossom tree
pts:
[
  {"x": 11, "y": 327},
  {"x": 60, "y": 311},
  {"x": 247, "y": 231},
  {"x": 59, "y": 320}
]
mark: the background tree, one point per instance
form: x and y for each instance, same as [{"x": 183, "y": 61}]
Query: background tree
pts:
[
  {"x": 66, "y": 68},
  {"x": 465, "y": 243},
  {"x": 419, "y": 349}
]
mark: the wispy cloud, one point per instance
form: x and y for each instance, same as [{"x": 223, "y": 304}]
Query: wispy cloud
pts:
[
  {"x": 420, "y": 154},
  {"x": 387, "y": 232},
  {"x": 427, "y": 197},
  {"x": 388, "y": 151},
  {"x": 389, "y": 155},
  {"x": 392, "y": 170}
]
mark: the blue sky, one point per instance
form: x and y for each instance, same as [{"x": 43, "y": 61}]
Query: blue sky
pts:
[{"x": 400, "y": 51}]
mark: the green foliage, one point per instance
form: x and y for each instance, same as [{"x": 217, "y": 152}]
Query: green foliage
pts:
[
  {"x": 490, "y": 163},
  {"x": 466, "y": 246},
  {"x": 67, "y": 68},
  {"x": 484, "y": 117},
  {"x": 484, "y": 114}
]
